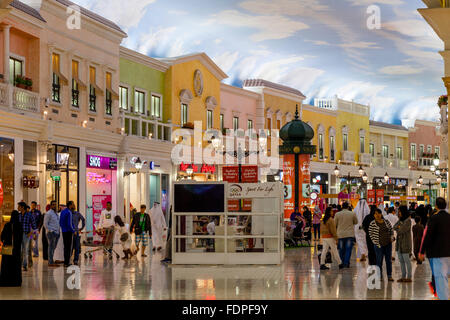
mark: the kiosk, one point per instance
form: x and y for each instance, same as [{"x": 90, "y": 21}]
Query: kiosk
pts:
[{"x": 206, "y": 232}]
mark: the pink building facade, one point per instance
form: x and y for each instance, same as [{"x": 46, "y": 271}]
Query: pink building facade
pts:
[{"x": 424, "y": 142}]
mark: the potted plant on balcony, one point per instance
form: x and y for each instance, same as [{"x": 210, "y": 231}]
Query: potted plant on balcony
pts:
[
  {"x": 443, "y": 100},
  {"x": 28, "y": 83},
  {"x": 20, "y": 82}
]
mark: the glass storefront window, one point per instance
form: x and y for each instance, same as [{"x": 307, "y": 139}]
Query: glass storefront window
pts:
[{"x": 6, "y": 177}]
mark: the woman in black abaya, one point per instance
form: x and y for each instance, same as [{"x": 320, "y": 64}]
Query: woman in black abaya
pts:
[{"x": 11, "y": 270}]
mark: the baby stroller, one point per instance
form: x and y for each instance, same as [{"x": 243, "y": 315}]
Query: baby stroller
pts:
[
  {"x": 289, "y": 239},
  {"x": 106, "y": 245}
]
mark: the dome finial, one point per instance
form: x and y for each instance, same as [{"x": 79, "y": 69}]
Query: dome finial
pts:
[{"x": 296, "y": 112}]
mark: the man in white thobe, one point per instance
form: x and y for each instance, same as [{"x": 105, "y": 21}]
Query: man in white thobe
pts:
[
  {"x": 159, "y": 226},
  {"x": 362, "y": 210}
]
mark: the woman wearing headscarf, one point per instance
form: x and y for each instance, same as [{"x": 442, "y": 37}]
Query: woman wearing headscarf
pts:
[
  {"x": 11, "y": 269},
  {"x": 158, "y": 226},
  {"x": 316, "y": 222},
  {"x": 362, "y": 210}
]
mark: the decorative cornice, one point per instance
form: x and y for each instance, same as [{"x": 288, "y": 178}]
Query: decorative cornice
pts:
[
  {"x": 186, "y": 96},
  {"x": 137, "y": 57},
  {"x": 239, "y": 91},
  {"x": 211, "y": 103}
]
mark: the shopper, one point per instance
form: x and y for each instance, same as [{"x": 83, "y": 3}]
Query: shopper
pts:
[
  {"x": 125, "y": 237},
  {"x": 417, "y": 237},
  {"x": 77, "y": 218},
  {"x": 436, "y": 246},
  {"x": 67, "y": 229},
  {"x": 168, "y": 255},
  {"x": 329, "y": 239},
  {"x": 159, "y": 226},
  {"x": 345, "y": 221},
  {"x": 39, "y": 221},
  {"x": 403, "y": 244},
  {"x": 43, "y": 232},
  {"x": 106, "y": 225},
  {"x": 11, "y": 268},
  {"x": 51, "y": 225},
  {"x": 392, "y": 217},
  {"x": 28, "y": 225},
  {"x": 141, "y": 226},
  {"x": 317, "y": 216},
  {"x": 362, "y": 210},
  {"x": 381, "y": 234}
]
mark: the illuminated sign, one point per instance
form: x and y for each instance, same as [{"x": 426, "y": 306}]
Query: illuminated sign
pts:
[{"x": 99, "y": 162}]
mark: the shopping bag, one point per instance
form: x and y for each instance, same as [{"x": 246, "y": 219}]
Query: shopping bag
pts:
[
  {"x": 6, "y": 250},
  {"x": 133, "y": 247},
  {"x": 164, "y": 238}
]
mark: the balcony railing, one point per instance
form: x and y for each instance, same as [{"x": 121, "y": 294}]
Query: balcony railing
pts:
[
  {"x": 154, "y": 129},
  {"x": 347, "y": 156},
  {"x": 4, "y": 94},
  {"x": 25, "y": 100},
  {"x": 382, "y": 162},
  {"x": 364, "y": 158}
]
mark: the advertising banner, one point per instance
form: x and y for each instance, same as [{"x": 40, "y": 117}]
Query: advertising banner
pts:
[
  {"x": 289, "y": 184},
  {"x": 230, "y": 174},
  {"x": 305, "y": 180},
  {"x": 1, "y": 192},
  {"x": 100, "y": 162},
  {"x": 380, "y": 197},
  {"x": 371, "y": 197},
  {"x": 249, "y": 174}
]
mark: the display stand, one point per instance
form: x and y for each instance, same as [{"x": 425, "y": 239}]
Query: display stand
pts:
[{"x": 241, "y": 237}]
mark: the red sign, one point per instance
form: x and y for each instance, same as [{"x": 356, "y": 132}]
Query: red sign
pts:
[
  {"x": 230, "y": 174},
  {"x": 246, "y": 205},
  {"x": 371, "y": 197},
  {"x": 289, "y": 184},
  {"x": 249, "y": 174},
  {"x": 98, "y": 205},
  {"x": 203, "y": 169},
  {"x": 380, "y": 196}
]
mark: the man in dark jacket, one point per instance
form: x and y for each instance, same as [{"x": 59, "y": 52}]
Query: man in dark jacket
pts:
[
  {"x": 66, "y": 223},
  {"x": 140, "y": 225},
  {"x": 77, "y": 217},
  {"x": 370, "y": 248},
  {"x": 436, "y": 246}
]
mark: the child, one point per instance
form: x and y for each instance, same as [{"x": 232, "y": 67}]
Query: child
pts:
[
  {"x": 125, "y": 238},
  {"x": 417, "y": 230}
]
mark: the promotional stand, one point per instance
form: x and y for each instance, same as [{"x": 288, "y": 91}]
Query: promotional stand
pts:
[{"x": 253, "y": 235}]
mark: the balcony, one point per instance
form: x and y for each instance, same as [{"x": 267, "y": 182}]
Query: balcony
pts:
[
  {"x": 347, "y": 156},
  {"x": 364, "y": 158},
  {"x": 151, "y": 129},
  {"x": 19, "y": 99},
  {"x": 382, "y": 162}
]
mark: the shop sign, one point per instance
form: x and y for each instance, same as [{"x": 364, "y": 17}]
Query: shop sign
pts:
[
  {"x": 380, "y": 196},
  {"x": 394, "y": 198},
  {"x": 253, "y": 190},
  {"x": 99, "y": 162},
  {"x": 31, "y": 182},
  {"x": 204, "y": 168},
  {"x": 399, "y": 182},
  {"x": 56, "y": 175},
  {"x": 152, "y": 165},
  {"x": 249, "y": 174},
  {"x": 246, "y": 206},
  {"x": 371, "y": 197},
  {"x": 411, "y": 198}
]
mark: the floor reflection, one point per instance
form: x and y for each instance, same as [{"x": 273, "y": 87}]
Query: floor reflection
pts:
[{"x": 298, "y": 277}]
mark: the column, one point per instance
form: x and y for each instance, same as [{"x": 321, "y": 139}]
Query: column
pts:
[
  {"x": 82, "y": 193},
  {"x": 120, "y": 188},
  {"x": 6, "y": 30},
  {"x": 42, "y": 160},
  {"x": 18, "y": 167}
]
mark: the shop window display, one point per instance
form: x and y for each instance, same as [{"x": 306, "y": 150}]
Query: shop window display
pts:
[{"x": 6, "y": 178}]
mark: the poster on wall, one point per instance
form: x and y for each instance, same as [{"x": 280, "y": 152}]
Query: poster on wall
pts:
[
  {"x": 230, "y": 174},
  {"x": 380, "y": 197},
  {"x": 98, "y": 205},
  {"x": 1, "y": 192}
]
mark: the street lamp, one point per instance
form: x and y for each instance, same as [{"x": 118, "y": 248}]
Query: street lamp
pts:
[
  {"x": 436, "y": 160},
  {"x": 138, "y": 164},
  {"x": 63, "y": 156},
  {"x": 360, "y": 170},
  {"x": 420, "y": 180},
  {"x": 215, "y": 142},
  {"x": 365, "y": 177},
  {"x": 386, "y": 177},
  {"x": 432, "y": 168},
  {"x": 336, "y": 171}
]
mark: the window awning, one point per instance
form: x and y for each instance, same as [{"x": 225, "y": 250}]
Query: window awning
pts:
[
  {"x": 63, "y": 79},
  {"x": 98, "y": 91},
  {"x": 80, "y": 83}
]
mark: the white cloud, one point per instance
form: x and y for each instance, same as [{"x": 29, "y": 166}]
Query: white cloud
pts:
[
  {"x": 178, "y": 12},
  {"x": 127, "y": 14},
  {"x": 270, "y": 27},
  {"x": 370, "y": 2},
  {"x": 226, "y": 60},
  {"x": 400, "y": 70},
  {"x": 424, "y": 108},
  {"x": 217, "y": 41},
  {"x": 415, "y": 28},
  {"x": 283, "y": 7},
  {"x": 319, "y": 42},
  {"x": 161, "y": 43},
  {"x": 360, "y": 45}
]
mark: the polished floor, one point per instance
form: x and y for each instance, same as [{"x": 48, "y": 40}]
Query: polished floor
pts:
[{"x": 298, "y": 277}]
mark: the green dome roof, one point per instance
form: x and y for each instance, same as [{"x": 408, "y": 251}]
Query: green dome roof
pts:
[{"x": 297, "y": 130}]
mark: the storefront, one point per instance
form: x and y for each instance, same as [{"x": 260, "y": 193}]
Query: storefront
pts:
[
  {"x": 6, "y": 177},
  {"x": 197, "y": 172},
  {"x": 319, "y": 183},
  {"x": 101, "y": 187},
  {"x": 62, "y": 174},
  {"x": 394, "y": 187}
]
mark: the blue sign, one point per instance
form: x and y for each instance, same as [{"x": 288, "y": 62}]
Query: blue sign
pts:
[{"x": 152, "y": 165}]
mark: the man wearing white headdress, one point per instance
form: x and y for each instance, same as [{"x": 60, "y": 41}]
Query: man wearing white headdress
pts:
[
  {"x": 159, "y": 226},
  {"x": 362, "y": 210}
]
